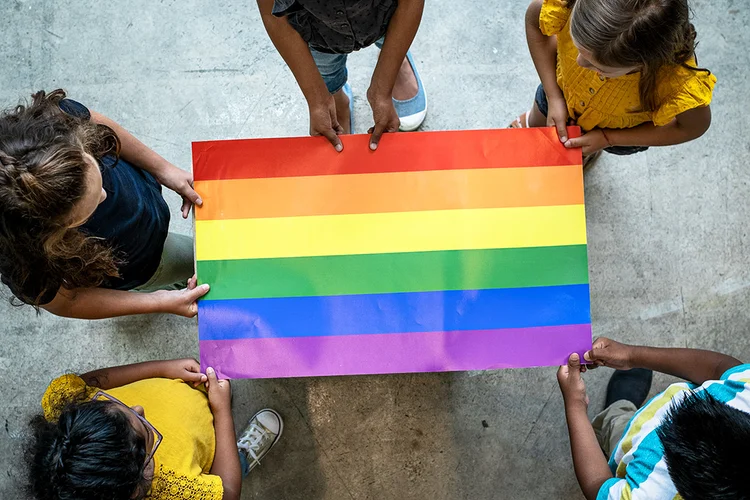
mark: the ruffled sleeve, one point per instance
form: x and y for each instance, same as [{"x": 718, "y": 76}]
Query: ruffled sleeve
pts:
[
  {"x": 63, "y": 390},
  {"x": 553, "y": 16},
  {"x": 694, "y": 92},
  {"x": 168, "y": 485}
]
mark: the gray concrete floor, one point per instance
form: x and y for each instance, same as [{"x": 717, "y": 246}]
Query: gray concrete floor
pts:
[{"x": 668, "y": 238}]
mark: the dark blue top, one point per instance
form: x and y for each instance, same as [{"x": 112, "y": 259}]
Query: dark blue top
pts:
[{"x": 133, "y": 220}]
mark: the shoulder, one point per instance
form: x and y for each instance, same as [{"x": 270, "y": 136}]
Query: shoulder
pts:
[
  {"x": 733, "y": 388},
  {"x": 553, "y": 16},
  {"x": 169, "y": 484},
  {"x": 681, "y": 89},
  {"x": 61, "y": 391}
]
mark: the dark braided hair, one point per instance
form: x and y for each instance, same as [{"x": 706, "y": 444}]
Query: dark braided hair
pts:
[
  {"x": 91, "y": 452},
  {"x": 650, "y": 34},
  {"x": 42, "y": 178}
]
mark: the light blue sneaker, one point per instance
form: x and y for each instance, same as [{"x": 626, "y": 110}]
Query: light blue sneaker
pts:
[
  {"x": 348, "y": 91},
  {"x": 412, "y": 111}
]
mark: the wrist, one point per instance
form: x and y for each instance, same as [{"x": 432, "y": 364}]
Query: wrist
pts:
[
  {"x": 318, "y": 96},
  {"x": 633, "y": 356},
  {"x": 575, "y": 404},
  {"x": 221, "y": 410},
  {"x": 378, "y": 91},
  {"x": 157, "y": 302},
  {"x": 554, "y": 94}
]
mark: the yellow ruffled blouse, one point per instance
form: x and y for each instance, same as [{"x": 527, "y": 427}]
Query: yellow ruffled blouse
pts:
[
  {"x": 182, "y": 415},
  {"x": 598, "y": 102}
]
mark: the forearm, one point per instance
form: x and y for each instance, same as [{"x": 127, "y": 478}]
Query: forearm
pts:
[
  {"x": 685, "y": 127},
  {"x": 402, "y": 29},
  {"x": 543, "y": 50},
  {"x": 226, "y": 459},
  {"x": 99, "y": 303},
  {"x": 117, "y": 376},
  {"x": 588, "y": 460},
  {"x": 295, "y": 52},
  {"x": 695, "y": 365},
  {"x": 134, "y": 151}
]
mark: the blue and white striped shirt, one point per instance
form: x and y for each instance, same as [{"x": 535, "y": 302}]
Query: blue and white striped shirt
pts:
[{"x": 638, "y": 461}]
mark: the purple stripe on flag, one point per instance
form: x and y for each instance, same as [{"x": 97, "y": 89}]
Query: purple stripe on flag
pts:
[{"x": 395, "y": 353}]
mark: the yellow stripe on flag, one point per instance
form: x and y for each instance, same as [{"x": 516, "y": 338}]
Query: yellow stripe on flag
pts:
[{"x": 390, "y": 232}]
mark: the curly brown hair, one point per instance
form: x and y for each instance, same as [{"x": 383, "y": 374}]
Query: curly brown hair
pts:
[
  {"x": 650, "y": 34},
  {"x": 42, "y": 178}
]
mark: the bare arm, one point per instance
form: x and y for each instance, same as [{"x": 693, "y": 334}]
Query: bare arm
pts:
[
  {"x": 588, "y": 460},
  {"x": 226, "y": 459},
  {"x": 695, "y": 365},
  {"x": 683, "y": 128},
  {"x": 543, "y": 50},
  {"x": 99, "y": 303},
  {"x": 402, "y": 29},
  {"x": 296, "y": 53},
  {"x": 117, "y": 376},
  {"x": 134, "y": 151}
]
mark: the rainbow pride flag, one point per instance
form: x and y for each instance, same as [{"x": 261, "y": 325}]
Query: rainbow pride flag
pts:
[{"x": 440, "y": 251}]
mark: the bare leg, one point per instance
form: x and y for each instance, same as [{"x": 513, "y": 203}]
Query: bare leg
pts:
[
  {"x": 536, "y": 118},
  {"x": 342, "y": 110},
  {"x": 406, "y": 85}
]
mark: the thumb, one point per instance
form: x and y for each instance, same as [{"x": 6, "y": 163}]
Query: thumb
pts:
[
  {"x": 576, "y": 142},
  {"x": 210, "y": 376},
  {"x": 198, "y": 292},
  {"x": 190, "y": 376},
  {"x": 574, "y": 365}
]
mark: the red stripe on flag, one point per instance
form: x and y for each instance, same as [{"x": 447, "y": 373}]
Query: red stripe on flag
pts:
[{"x": 398, "y": 152}]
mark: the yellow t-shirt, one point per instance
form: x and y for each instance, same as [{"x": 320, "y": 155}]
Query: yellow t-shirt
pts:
[
  {"x": 598, "y": 102},
  {"x": 180, "y": 413}
]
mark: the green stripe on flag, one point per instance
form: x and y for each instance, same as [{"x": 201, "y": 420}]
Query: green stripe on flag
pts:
[{"x": 395, "y": 272}]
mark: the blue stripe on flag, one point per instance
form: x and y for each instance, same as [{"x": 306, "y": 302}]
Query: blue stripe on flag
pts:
[{"x": 394, "y": 312}]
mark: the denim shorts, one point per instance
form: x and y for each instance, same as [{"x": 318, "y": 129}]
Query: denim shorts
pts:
[
  {"x": 541, "y": 103},
  {"x": 332, "y": 67}
]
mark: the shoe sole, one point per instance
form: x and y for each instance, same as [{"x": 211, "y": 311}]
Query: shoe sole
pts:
[{"x": 412, "y": 122}]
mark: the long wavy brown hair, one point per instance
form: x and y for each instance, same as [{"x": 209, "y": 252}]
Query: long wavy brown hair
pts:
[
  {"x": 651, "y": 34},
  {"x": 42, "y": 178}
]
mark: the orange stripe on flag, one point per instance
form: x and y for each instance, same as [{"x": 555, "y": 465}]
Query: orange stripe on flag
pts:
[{"x": 392, "y": 192}]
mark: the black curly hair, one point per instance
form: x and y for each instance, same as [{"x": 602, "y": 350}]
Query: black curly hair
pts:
[{"x": 91, "y": 452}]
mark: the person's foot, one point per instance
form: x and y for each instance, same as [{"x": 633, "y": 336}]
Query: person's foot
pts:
[
  {"x": 409, "y": 97},
  {"x": 630, "y": 385},
  {"x": 344, "y": 108},
  {"x": 261, "y": 433},
  {"x": 406, "y": 86}
]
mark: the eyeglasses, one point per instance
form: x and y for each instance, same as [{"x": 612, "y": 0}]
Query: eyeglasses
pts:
[{"x": 156, "y": 435}]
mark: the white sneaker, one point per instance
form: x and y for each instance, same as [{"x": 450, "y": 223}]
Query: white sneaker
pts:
[{"x": 262, "y": 432}]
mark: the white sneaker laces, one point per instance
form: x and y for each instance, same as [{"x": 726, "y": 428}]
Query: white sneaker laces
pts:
[{"x": 253, "y": 440}]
